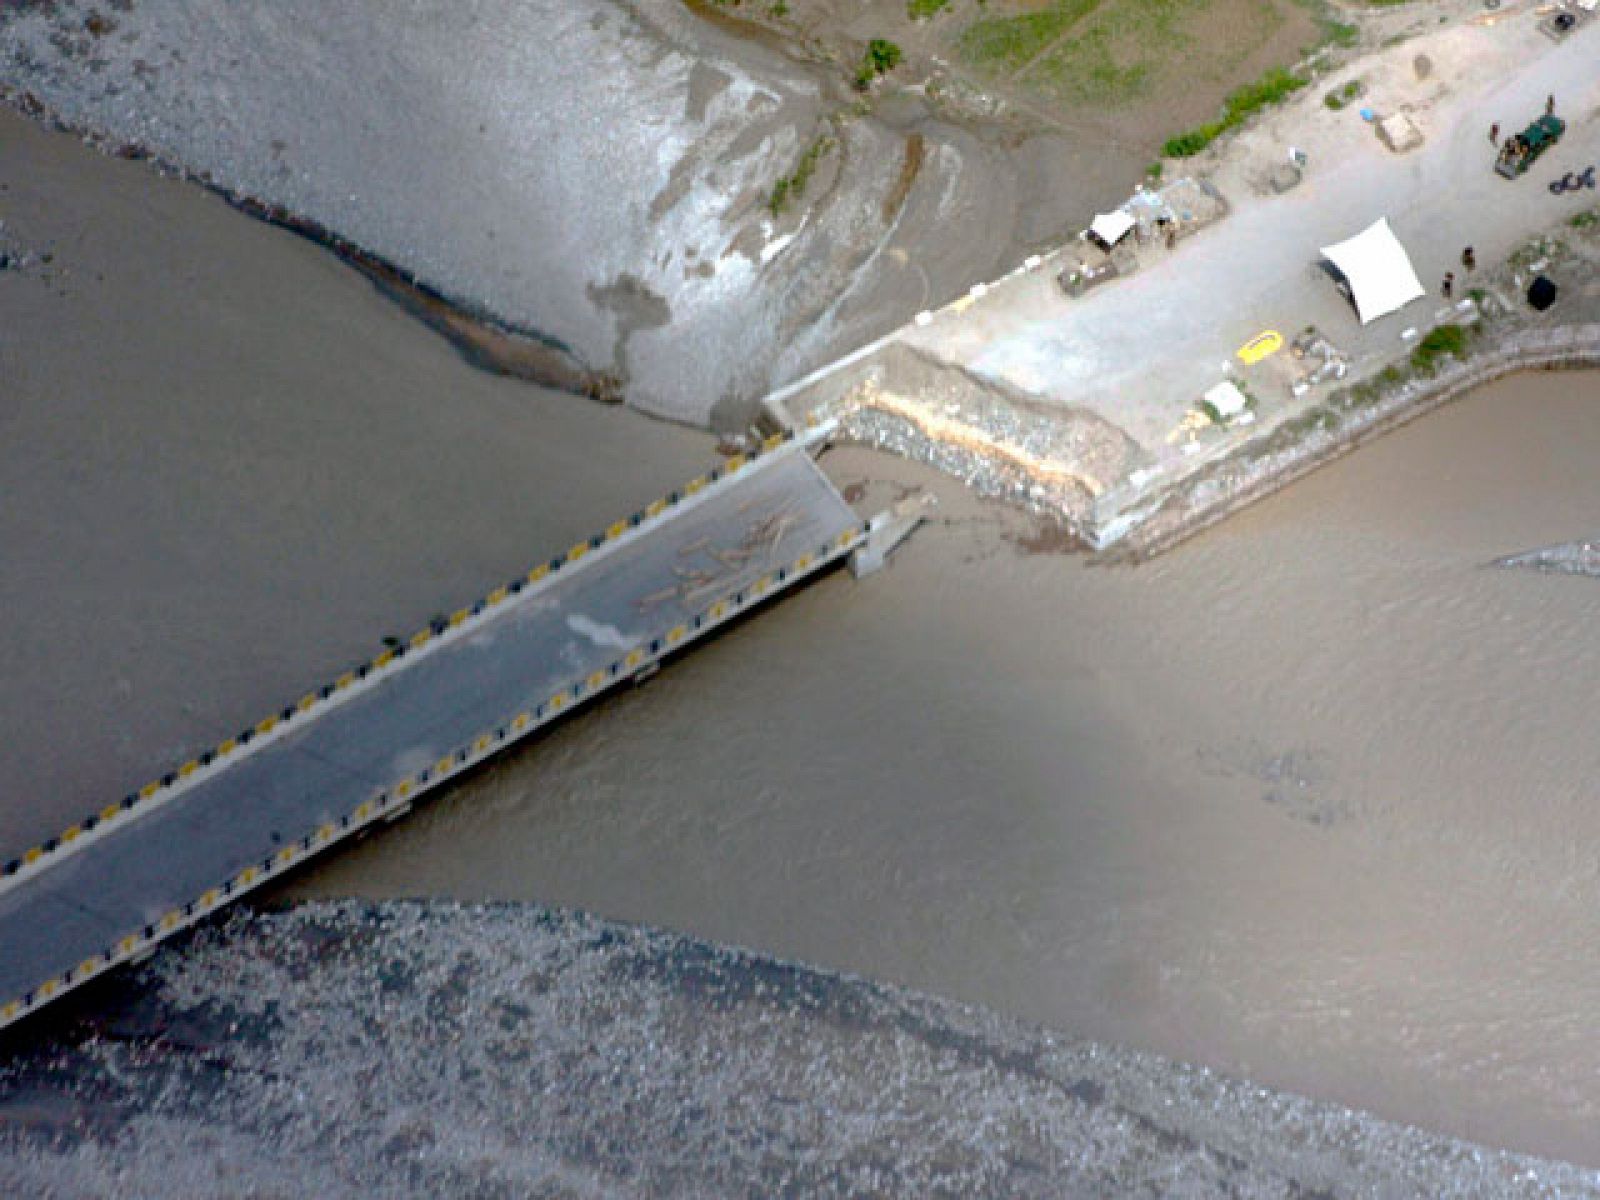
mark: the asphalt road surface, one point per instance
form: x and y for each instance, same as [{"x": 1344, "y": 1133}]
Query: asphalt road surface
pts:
[{"x": 461, "y": 693}]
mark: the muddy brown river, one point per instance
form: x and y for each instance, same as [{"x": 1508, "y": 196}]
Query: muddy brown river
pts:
[{"x": 1311, "y": 799}]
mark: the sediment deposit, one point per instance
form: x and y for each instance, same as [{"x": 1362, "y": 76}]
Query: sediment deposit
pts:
[{"x": 597, "y": 175}]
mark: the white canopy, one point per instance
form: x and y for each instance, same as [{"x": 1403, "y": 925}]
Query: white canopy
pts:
[
  {"x": 1376, "y": 267},
  {"x": 1111, "y": 227}
]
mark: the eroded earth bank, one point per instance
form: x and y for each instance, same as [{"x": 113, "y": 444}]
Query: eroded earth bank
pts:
[{"x": 596, "y": 176}]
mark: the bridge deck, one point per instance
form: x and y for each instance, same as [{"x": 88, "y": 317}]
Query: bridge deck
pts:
[{"x": 364, "y": 752}]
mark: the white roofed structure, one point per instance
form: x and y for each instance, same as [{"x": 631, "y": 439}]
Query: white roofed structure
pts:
[
  {"x": 1227, "y": 399},
  {"x": 1110, "y": 228},
  {"x": 1378, "y": 270}
]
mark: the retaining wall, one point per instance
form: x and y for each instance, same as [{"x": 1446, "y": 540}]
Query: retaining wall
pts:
[{"x": 1202, "y": 502}]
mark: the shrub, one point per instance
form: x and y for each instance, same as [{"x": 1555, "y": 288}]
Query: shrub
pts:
[
  {"x": 1339, "y": 97},
  {"x": 1187, "y": 145},
  {"x": 1341, "y": 34},
  {"x": 1441, "y": 342},
  {"x": 882, "y": 56}
]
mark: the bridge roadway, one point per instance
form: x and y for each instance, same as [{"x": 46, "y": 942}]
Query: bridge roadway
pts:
[{"x": 362, "y": 749}]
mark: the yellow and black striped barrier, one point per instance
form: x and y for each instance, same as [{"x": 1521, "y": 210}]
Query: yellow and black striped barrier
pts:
[
  {"x": 159, "y": 790},
  {"x": 395, "y": 799}
]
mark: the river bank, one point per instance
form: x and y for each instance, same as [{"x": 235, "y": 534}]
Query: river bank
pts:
[
  {"x": 1304, "y": 800},
  {"x": 1307, "y": 800},
  {"x": 1349, "y": 422},
  {"x": 621, "y": 241},
  {"x": 664, "y": 269},
  {"x": 1087, "y": 402},
  {"x": 508, "y": 1050}
]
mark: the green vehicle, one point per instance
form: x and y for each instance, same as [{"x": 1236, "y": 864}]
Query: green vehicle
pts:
[{"x": 1522, "y": 149}]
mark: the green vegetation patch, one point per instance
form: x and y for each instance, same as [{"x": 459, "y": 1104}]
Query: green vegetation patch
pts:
[
  {"x": 1441, "y": 342},
  {"x": 881, "y": 57},
  {"x": 1341, "y": 96},
  {"x": 919, "y": 10},
  {"x": 792, "y": 186},
  {"x": 1242, "y": 104},
  {"x": 1004, "y": 44},
  {"x": 1115, "y": 54},
  {"x": 1341, "y": 34},
  {"x": 1103, "y": 53}
]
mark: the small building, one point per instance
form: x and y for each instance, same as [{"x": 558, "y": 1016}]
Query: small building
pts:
[
  {"x": 1399, "y": 132},
  {"x": 1226, "y": 401},
  {"x": 1107, "y": 229}
]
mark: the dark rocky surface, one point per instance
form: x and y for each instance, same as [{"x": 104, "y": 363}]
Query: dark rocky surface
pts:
[{"x": 430, "y": 1050}]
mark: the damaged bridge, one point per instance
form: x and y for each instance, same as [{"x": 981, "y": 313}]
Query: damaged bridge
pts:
[{"x": 362, "y": 749}]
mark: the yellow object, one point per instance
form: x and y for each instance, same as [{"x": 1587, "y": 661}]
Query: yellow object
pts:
[{"x": 1263, "y": 345}]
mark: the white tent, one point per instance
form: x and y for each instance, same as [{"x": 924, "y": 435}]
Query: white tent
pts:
[
  {"x": 1110, "y": 228},
  {"x": 1376, "y": 267}
]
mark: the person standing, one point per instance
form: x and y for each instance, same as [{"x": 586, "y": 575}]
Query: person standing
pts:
[
  {"x": 1469, "y": 260},
  {"x": 1550, "y": 105},
  {"x": 1494, "y": 135},
  {"x": 1449, "y": 284}
]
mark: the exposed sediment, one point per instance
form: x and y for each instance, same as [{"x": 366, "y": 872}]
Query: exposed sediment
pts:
[
  {"x": 575, "y": 192},
  {"x": 423, "y": 1050}
]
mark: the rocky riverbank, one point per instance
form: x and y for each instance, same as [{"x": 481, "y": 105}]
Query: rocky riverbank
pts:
[{"x": 434, "y": 1049}]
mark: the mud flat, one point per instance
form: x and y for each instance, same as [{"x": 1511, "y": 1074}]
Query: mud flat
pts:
[
  {"x": 587, "y": 184},
  {"x": 521, "y": 1051}
]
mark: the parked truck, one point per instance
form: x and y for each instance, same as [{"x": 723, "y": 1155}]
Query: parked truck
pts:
[{"x": 1523, "y": 149}]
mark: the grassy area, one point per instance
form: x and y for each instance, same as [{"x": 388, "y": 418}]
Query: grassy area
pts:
[
  {"x": 1100, "y": 53},
  {"x": 919, "y": 10},
  {"x": 1004, "y": 44}
]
